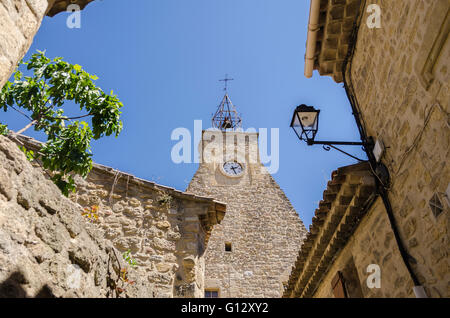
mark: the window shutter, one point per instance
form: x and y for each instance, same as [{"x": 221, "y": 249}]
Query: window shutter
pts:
[
  {"x": 338, "y": 286},
  {"x": 212, "y": 293}
]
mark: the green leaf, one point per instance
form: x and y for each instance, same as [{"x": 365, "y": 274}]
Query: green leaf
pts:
[
  {"x": 4, "y": 130},
  {"x": 43, "y": 95},
  {"x": 18, "y": 75}
]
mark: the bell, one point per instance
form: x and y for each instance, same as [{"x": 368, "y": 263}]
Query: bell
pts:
[{"x": 226, "y": 124}]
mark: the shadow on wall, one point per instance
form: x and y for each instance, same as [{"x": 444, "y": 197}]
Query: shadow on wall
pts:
[{"x": 12, "y": 288}]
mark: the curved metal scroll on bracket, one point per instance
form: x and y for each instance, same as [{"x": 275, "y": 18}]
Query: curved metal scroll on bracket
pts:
[{"x": 328, "y": 147}]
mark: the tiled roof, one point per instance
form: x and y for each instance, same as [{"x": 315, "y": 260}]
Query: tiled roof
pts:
[
  {"x": 336, "y": 22},
  {"x": 345, "y": 201}
]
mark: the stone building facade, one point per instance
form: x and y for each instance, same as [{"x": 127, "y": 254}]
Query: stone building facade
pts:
[
  {"x": 166, "y": 231},
  {"x": 398, "y": 80},
  {"x": 51, "y": 246},
  {"x": 350, "y": 231},
  {"x": 251, "y": 252}
]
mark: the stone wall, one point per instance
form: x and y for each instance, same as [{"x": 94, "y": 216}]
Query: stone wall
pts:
[
  {"x": 261, "y": 225},
  {"x": 165, "y": 230},
  {"x": 47, "y": 249},
  {"x": 372, "y": 243},
  {"x": 350, "y": 233},
  {"x": 401, "y": 80},
  {"x": 19, "y": 22}
]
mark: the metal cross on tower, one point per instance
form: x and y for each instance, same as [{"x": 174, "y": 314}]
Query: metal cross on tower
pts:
[
  {"x": 226, "y": 79},
  {"x": 226, "y": 116}
]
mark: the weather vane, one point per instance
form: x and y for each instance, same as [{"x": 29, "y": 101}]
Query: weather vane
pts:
[
  {"x": 226, "y": 80},
  {"x": 226, "y": 116}
]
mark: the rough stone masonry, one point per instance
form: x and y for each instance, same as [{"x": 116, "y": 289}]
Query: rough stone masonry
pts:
[
  {"x": 47, "y": 249},
  {"x": 165, "y": 231},
  {"x": 261, "y": 228},
  {"x": 19, "y": 22}
]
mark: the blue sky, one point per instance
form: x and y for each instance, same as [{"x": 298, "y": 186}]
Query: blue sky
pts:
[{"x": 163, "y": 58}]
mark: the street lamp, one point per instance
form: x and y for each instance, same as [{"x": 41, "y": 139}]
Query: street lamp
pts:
[{"x": 305, "y": 122}]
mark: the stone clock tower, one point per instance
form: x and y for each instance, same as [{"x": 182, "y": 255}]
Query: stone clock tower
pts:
[{"x": 250, "y": 254}]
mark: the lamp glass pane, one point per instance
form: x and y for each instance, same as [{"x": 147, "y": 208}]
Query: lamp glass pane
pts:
[
  {"x": 298, "y": 130},
  {"x": 308, "y": 119},
  {"x": 296, "y": 122}
]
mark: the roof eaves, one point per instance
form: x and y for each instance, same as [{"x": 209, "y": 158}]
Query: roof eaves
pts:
[{"x": 344, "y": 203}]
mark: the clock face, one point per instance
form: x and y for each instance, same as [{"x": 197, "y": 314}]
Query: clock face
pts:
[{"x": 233, "y": 168}]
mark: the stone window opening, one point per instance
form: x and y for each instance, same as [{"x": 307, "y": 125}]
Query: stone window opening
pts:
[
  {"x": 228, "y": 247},
  {"x": 211, "y": 293},
  {"x": 436, "y": 205}
]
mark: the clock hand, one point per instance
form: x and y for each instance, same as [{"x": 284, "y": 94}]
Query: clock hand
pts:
[{"x": 234, "y": 170}]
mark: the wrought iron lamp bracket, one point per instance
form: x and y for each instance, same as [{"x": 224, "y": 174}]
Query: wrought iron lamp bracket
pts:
[{"x": 327, "y": 145}]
